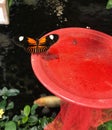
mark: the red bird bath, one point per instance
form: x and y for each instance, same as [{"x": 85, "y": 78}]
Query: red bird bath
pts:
[{"x": 78, "y": 69}]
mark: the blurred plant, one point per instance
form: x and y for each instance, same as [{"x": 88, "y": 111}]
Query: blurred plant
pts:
[
  {"x": 27, "y": 120},
  {"x": 109, "y": 4},
  {"x": 106, "y": 126},
  {"x": 10, "y": 2}
]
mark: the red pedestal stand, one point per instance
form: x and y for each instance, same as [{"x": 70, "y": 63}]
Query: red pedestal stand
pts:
[{"x": 78, "y": 69}]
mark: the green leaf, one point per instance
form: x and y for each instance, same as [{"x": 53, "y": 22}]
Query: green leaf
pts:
[
  {"x": 3, "y": 104},
  {"x": 39, "y": 127},
  {"x": 32, "y": 120},
  {"x": 16, "y": 118},
  {"x": 33, "y": 109},
  {"x": 10, "y": 125},
  {"x": 24, "y": 119},
  {"x": 2, "y": 123},
  {"x": 106, "y": 126},
  {"x": 26, "y": 110},
  {"x": 10, "y": 106},
  {"x": 109, "y": 4},
  {"x": 10, "y": 2},
  {"x": 5, "y": 118},
  {"x": 3, "y": 92},
  {"x": 13, "y": 92},
  {"x": 34, "y": 128},
  {"x": 109, "y": 125},
  {"x": 43, "y": 121},
  {"x": 7, "y": 93}
]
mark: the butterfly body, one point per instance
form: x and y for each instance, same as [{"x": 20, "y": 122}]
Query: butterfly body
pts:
[{"x": 37, "y": 46}]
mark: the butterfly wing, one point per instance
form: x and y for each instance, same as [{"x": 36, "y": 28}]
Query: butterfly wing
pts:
[{"x": 37, "y": 46}]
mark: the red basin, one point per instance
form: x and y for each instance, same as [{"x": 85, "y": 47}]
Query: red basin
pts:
[{"x": 78, "y": 67}]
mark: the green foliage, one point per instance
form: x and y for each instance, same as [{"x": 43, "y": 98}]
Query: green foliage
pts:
[
  {"x": 109, "y": 4},
  {"x": 10, "y": 125},
  {"x": 10, "y": 2},
  {"x": 5, "y": 93},
  {"x": 106, "y": 126},
  {"x": 27, "y": 119}
]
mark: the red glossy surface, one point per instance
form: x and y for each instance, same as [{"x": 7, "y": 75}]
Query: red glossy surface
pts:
[{"x": 78, "y": 67}]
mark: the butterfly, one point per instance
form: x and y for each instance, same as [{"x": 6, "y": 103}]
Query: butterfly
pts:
[{"x": 37, "y": 46}]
